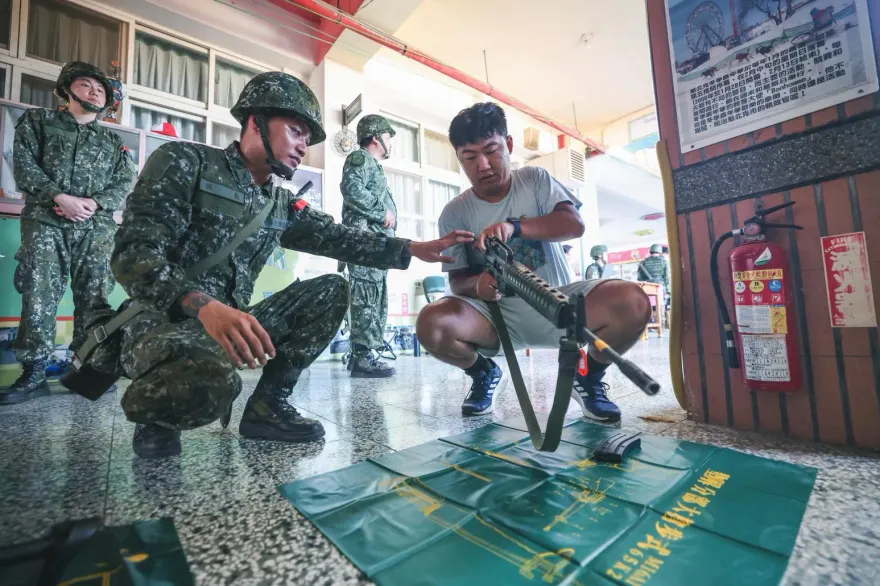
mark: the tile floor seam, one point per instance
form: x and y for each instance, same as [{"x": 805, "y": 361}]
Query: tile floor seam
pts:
[{"x": 109, "y": 468}]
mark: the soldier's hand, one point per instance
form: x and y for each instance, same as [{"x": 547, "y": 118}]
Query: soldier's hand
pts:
[
  {"x": 430, "y": 251},
  {"x": 486, "y": 288},
  {"x": 72, "y": 208},
  {"x": 90, "y": 204},
  {"x": 389, "y": 220},
  {"x": 240, "y": 334}
]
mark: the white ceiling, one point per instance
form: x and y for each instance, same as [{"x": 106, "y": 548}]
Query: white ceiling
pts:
[{"x": 534, "y": 52}]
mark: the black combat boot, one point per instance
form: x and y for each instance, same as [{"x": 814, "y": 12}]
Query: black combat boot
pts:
[
  {"x": 30, "y": 385},
  {"x": 268, "y": 415},
  {"x": 155, "y": 441},
  {"x": 369, "y": 366}
]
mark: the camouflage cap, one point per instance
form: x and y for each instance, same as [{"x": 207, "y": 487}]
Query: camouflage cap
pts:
[
  {"x": 75, "y": 69},
  {"x": 598, "y": 250},
  {"x": 280, "y": 94},
  {"x": 658, "y": 248},
  {"x": 373, "y": 125}
]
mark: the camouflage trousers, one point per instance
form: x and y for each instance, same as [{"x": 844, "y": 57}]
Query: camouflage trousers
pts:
[
  {"x": 368, "y": 310},
  {"x": 48, "y": 254},
  {"x": 183, "y": 379}
]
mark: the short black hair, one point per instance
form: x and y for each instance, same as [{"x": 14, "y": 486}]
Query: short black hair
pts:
[
  {"x": 366, "y": 142},
  {"x": 566, "y": 248},
  {"x": 483, "y": 120}
]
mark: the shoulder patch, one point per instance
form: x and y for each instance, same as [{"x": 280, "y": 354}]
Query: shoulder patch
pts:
[{"x": 358, "y": 158}]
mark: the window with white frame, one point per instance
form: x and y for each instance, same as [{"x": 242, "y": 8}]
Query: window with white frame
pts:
[
  {"x": 406, "y": 141},
  {"x": 229, "y": 80},
  {"x": 222, "y": 135},
  {"x": 407, "y": 192},
  {"x": 148, "y": 117},
  {"x": 439, "y": 194},
  {"x": 170, "y": 68},
  {"x": 5, "y": 23},
  {"x": 439, "y": 152},
  {"x": 59, "y": 32},
  {"x": 38, "y": 91}
]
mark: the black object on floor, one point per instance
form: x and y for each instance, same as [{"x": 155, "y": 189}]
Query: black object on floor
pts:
[{"x": 617, "y": 447}]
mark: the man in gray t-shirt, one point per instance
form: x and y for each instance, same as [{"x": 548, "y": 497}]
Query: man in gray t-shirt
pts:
[{"x": 534, "y": 214}]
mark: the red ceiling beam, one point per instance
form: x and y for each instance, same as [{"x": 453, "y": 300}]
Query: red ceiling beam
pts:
[
  {"x": 328, "y": 31},
  {"x": 339, "y": 18}
]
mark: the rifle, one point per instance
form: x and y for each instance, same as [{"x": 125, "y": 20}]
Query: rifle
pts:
[{"x": 516, "y": 279}]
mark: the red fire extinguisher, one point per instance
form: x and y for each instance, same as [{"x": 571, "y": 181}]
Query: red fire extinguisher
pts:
[{"x": 764, "y": 339}]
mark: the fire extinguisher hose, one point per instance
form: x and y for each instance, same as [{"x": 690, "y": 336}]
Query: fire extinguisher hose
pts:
[
  {"x": 732, "y": 355},
  {"x": 675, "y": 366}
]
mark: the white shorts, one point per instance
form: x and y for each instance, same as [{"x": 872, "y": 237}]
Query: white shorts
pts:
[{"x": 527, "y": 327}]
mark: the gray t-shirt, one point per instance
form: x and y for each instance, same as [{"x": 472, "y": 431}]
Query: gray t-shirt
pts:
[{"x": 533, "y": 192}]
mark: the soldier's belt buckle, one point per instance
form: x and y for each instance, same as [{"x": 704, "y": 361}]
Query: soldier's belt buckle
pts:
[{"x": 100, "y": 334}]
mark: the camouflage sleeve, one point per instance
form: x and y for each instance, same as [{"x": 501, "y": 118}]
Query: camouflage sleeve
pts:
[
  {"x": 120, "y": 183},
  {"x": 666, "y": 275},
  {"x": 156, "y": 216},
  {"x": 26, "y": 152},
  {"x": 355, "y": 177},
  {"x": 316, "y": 233}
]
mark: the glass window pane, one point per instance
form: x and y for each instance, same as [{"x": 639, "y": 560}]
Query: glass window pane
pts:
[
  {"x": 406, "y": 142},
  {"x": 146, "y": 119},
  {"x": 11, "y": 114},
  {"x": 3, "y": 84},
  {"x": 38, "y": 91},
  {"x": 5, "y": 22},
  {"x": 229, "y": 80},
  {"x": 222, "y": 136},
  {"x": 170, "y": 68},
  {"x": 439, "y": 152},
  {"x": 61, "y": 32},
  {"x": 130, "y": 139},
  {"x": 154, "y": 142},
  {"x": 441, "y": 194}
]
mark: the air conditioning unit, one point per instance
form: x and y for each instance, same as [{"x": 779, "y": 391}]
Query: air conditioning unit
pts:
[{"x": 566, "y": 165}]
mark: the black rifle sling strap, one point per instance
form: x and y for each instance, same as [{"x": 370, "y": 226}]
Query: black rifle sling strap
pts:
[
  {"x": 543, "y": 441},
  {"x": 101, "y": 333}
]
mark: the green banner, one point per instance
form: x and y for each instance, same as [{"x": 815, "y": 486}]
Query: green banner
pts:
[
  {"x": 485, "y": 507},
  {"x": 146, "y": 553}
]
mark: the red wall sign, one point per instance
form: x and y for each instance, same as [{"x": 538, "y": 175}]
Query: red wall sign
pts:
[
  {"x": 634, "y": 255},
  {"x": 848, "y": 281}
]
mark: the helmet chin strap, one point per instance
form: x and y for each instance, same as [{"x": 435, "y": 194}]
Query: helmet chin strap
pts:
[
  {"x": 387, "y": 153},
  {"x": 278, "y": 168},
  {"x": 87, "y": 106}
]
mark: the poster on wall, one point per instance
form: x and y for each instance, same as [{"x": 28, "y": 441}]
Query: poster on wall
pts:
[
  {"x": 743, "y": 65},
  {"x": 848, "y": 281}
]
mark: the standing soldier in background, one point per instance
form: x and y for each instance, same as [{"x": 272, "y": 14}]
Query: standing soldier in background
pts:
[
  {"x": 597, "y": 267},
  {"x": 655, "y": 269},
  {"x": 368, "y": 205},
  {"x": 74, "y": 174}
]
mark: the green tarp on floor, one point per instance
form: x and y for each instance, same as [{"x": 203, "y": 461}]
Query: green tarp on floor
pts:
[
  {"x": 145, "y": 553},
  {"x": 485, "y": 507}
]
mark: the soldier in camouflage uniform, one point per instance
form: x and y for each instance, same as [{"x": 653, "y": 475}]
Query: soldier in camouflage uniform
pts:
[
  {"x": 597, "y": 267},
  {"x": 368, "y": 205},
  {"x": 191, "y": 199},
  {"x": 74, "y": 174},
  {"x": 655, "y": 269}
]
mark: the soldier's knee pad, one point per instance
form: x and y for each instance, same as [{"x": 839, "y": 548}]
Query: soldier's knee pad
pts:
[{"x": 185, "y": 392}]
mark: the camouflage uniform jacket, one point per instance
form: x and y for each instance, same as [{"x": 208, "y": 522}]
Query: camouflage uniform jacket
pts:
[
  {"x": 657, "y": 269},
  {"x": 365, "y": 194},
  {"x": 594, "y": 271},
  {"x": 192, "y": 199},
  {"x": 53, "y": 154}
]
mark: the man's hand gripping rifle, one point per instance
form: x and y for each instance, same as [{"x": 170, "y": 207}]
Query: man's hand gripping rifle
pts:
[{"x": 515, "y": 278}]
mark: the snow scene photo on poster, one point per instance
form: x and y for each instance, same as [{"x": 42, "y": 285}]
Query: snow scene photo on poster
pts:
[{"x": 742, "y": 65}]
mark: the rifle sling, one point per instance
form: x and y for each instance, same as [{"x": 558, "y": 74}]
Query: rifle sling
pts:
[
  {"x": 543, "y": 441},
  {"x": 101, "y": 333}
]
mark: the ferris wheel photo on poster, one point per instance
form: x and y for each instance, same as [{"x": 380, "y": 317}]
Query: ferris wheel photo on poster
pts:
[{"x": 743, "y": 65}]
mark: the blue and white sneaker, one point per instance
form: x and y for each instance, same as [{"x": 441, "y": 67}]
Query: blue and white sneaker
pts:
[
  {"x": 481, "y": 396},
  {"x": 594, "y": 401}
]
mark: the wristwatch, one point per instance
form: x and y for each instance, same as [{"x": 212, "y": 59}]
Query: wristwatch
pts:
[{"x": 516, "y": 227}]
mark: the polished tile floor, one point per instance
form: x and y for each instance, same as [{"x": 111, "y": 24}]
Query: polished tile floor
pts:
[{"x": 62, "y": 457}]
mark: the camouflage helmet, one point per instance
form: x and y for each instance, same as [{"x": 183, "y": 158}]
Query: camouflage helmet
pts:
[
  {"x": 598, "y": 250},
  {"x": 658, "y": 248},
  {"x": 74, "y": 69},
  {"x": 373, "y": 125},
  {"x": 280, "y": 94}
]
